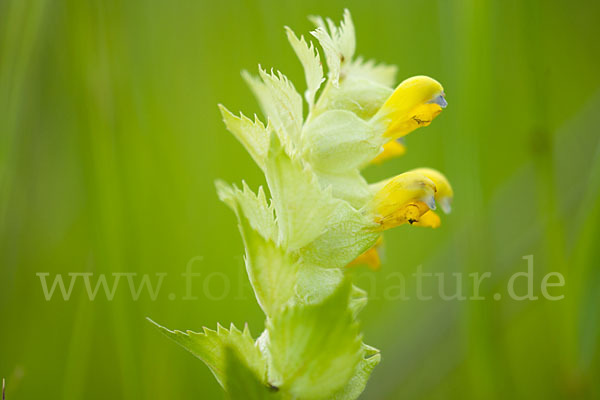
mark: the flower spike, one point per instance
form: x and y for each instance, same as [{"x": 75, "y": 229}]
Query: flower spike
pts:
[{"x": 322, "y": 215}]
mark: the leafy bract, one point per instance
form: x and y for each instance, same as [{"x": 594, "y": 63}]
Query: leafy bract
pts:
[
  {"x": 315, "y": 348},
  {"x": 272, "y": 271},
  {"x": 357, "y": 383},
  {"x": 311, "y": 62},
  {"x": 280, "y": 102},
  {"x": 241, "y": 383},
  {"x": 382, "y": 74},
  {"x": 210, "y": 346},
  {"x": 315, "y": 284},
  {"x": 252, "y": 134},
  {"x": 302, "y": 207},
  {"x": 358, "y": 300},
  {"x": 332, "y": 54},
  {"x": 338, "y": 43},
  {"x": 252, "y": 206}
]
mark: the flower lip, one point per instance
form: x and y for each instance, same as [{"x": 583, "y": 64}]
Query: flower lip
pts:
[{"x": 440, "y": 100}]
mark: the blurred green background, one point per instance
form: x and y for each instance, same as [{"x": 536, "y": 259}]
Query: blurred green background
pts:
[{"x": 110, "y": 140}]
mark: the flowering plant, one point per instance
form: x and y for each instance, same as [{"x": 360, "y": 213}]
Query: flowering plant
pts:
[{"x": 322, "y": 217}]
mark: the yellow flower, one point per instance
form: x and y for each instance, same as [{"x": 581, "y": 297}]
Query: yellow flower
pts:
[
  {"x": 392, "y": 149},
  {"x": 414, "y": 103},
  {"x": 410, "y": 198}
]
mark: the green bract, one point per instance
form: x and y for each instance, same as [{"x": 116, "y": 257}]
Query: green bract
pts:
[{"x": 321, "y": 216}]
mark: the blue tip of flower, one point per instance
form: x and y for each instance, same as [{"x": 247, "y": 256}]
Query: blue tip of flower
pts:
[{"x": 439, "y": 100}]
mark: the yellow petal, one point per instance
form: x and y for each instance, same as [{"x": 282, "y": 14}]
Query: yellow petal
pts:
[
  {"x": 418, "y": 117},
  {"x": 402, "y": 199},
  {"x": 408, "y": 214},
  {"x": 429, "y": 220},
  {"x": 391, "y": 150},
  {"x": 414, "y": 103},
  {"x": 370, "y": 258}
]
